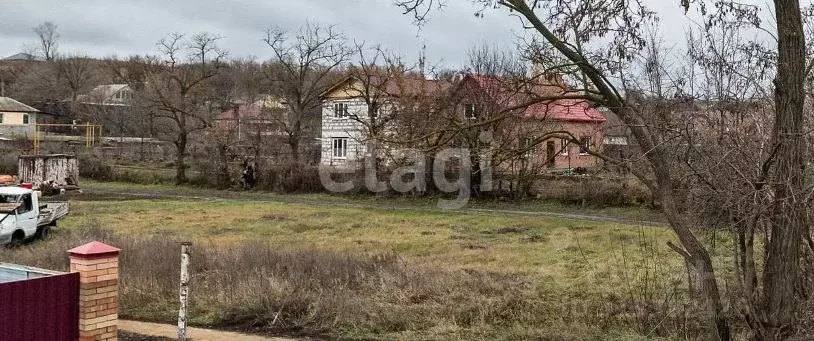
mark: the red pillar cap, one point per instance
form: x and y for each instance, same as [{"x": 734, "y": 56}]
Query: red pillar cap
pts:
[{"x": 94, "y": 249}]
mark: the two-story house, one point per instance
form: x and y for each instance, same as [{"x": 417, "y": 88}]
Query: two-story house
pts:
[
  {"x": 347, "y": 125},
  {"x": 477, "y": 100},
  {"x": 529, "y": 127},
  {"x": 344, "y": 110}
]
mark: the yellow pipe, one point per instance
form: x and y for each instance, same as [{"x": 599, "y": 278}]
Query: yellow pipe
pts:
[{"x": 36, "y": 140}]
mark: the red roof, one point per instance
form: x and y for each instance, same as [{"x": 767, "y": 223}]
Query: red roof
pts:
[
  {"x": 251, "y": 110},
  {"x": 572, "y": 110},
  {"x": 94, "y": 248}
]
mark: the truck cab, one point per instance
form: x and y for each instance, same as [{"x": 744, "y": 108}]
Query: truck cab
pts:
[{"x": 23, "y": 217}]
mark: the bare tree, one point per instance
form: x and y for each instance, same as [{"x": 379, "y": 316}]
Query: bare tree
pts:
[
  {"x": 782, "y": 168},
  {"x": 75, "y": 74},
  {"x": 179, "y": 93},
  {"x": 48, "y": 40},
  {"x": 377, "y": 78},
  {"x": 300, "y": 72}
]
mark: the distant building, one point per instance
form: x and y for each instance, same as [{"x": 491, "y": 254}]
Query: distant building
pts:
[
  {"x": 481, "y": 95},
  {"x": 17, "y": 120},
  {"x": 254, "y": 127},
  {"x": 617, "y": 142},
  {"x": 108, "y": 95},
  {"x": 262, "y": 117},
  {"x": 258, "y": 128},
  {"x": 22, "y": 56},
  {"x": 112, "y": 107}
]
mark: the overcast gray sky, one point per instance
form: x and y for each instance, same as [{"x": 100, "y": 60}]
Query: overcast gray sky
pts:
[{"x": 124, "y": 27}]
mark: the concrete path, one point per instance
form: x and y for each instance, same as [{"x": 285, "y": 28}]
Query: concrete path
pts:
[{"x": 195, "y": 334}]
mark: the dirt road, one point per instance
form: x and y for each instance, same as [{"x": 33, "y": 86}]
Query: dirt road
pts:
[{"x": 195, "y": 334}]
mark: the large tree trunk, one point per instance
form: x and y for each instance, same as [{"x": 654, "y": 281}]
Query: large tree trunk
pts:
[
  {"x": 180, "y": 156},
  {"x": 788, "y": 212},
  {"x": 294, "y": 144},
  {"x": 294, "y": 140},
  {"x": 223, "y": 178},
  {"x": 696, "y": 254}
]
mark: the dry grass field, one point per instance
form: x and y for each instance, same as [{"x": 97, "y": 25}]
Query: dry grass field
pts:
[{"x": 386, "y": 274}]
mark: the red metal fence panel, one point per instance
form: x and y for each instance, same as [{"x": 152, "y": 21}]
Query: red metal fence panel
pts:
[{"x": 41, "y": 309}]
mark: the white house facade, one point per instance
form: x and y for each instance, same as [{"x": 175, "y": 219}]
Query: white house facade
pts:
[
  {"x": 17, "y": 120},
  {"x": 343, "y": 135},
  {"x": 345, "y": 119}
]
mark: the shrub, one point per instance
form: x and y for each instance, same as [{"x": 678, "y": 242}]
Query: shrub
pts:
[
  {"x": 289, "y": 178},
  {"x": 593, "y": 190},
  {"x": 144, "y": 176},
  {"x": 94, "y": 166},
  {"x": 8, "y": 162}
]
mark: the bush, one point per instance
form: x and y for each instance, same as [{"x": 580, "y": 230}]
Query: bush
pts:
[
  {"x": 8, "y": 162},
  {"x": 94, "y": 166},
  {"x": 593, "y": 190},
  {"x": 144, "y": 176},
  {"x": 289, "y": 178}
]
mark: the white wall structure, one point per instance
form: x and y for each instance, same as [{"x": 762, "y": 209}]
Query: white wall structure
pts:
[{"x": 342, "y": 130}]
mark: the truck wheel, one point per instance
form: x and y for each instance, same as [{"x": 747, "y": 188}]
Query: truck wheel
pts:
[
  {"x": 16, "y": 240},
  {"x": 44, "y": 232}
]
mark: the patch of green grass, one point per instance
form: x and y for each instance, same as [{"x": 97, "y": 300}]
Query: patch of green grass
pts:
[
  {"x": 565, "y": 263},
  {"x": 538, "y": 246},
  {"x": 634, "y": 213}
]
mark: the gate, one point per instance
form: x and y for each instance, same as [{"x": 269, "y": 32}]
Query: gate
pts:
[{"x": 38, "y": 305}]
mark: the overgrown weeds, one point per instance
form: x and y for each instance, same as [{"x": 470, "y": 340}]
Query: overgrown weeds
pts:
[{"x": 257, "y": 286}]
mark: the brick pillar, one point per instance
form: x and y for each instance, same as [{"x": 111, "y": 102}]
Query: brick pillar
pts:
[{"x": 98, "y": 267}]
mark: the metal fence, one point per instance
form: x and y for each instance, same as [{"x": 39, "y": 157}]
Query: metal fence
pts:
[{"x": 38, "y": 305}]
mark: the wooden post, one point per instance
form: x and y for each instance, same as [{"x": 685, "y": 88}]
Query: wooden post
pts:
[
  {"x": 183, "y": 291},
  {"x": 98, "y": 267}
]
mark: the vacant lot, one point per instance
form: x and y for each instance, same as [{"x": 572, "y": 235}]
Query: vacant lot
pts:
[{"x": 375, "y": 273}]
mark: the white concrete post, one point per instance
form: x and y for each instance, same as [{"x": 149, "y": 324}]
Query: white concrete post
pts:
[{"x": 183, "y": 291}]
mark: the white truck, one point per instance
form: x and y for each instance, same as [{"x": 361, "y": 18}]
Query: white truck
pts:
[{"x": 23, "y": 216}]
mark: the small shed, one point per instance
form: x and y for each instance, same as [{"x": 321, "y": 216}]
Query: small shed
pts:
[{"x": 61, "y": 169}]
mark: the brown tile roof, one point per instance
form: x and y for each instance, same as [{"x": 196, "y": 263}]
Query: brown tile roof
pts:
[{"x": 398, "y": 86}]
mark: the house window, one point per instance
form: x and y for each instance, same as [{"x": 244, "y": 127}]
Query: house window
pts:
[
  {"x": 25, "y": 119},
  {"x": 341, "y": 110},
  {"x": 527, "y": 147},
  {"x": 1, "y": 118},
  {"x": 584, "y": 143},
  {"x": 563, "y": 147},
  {"x": 340, "y": 147},
  {"x": 471, "y": 111}
]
